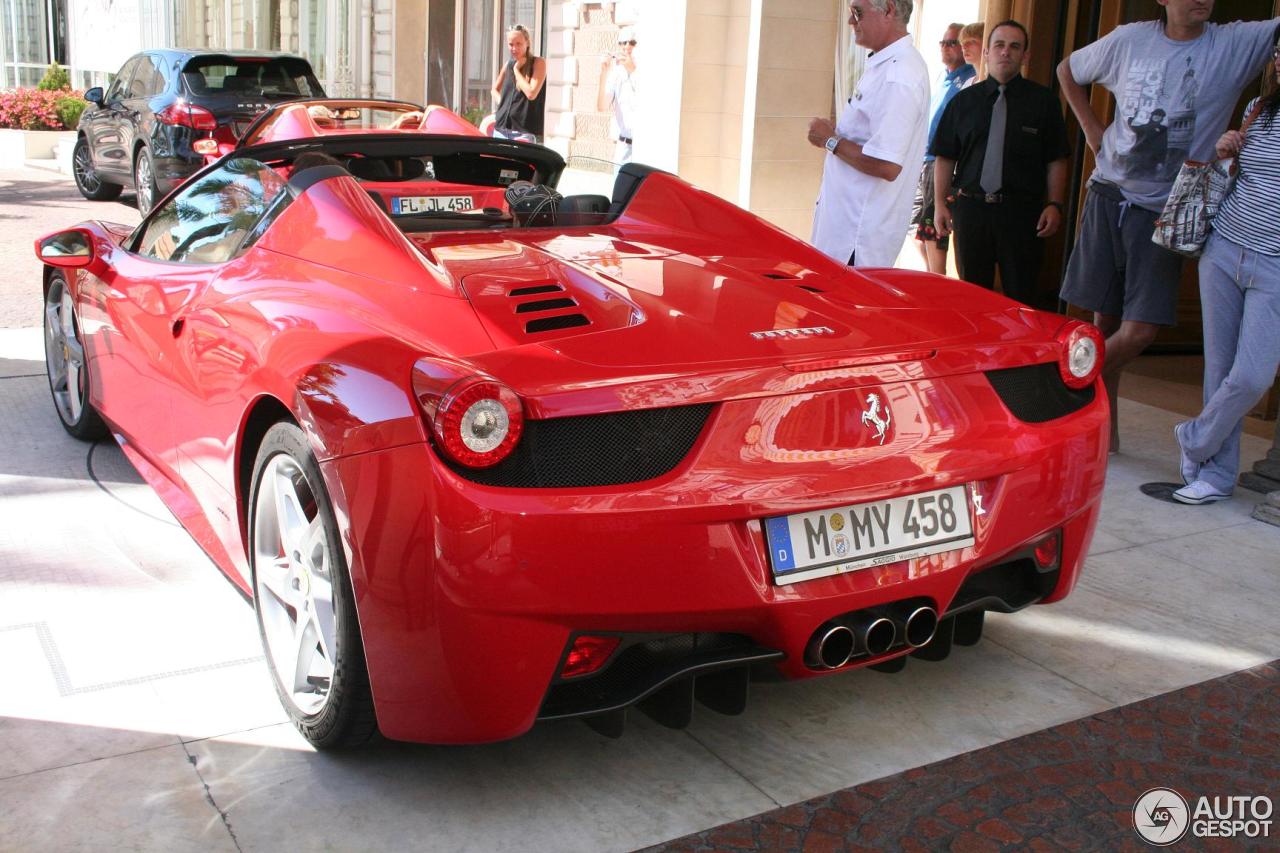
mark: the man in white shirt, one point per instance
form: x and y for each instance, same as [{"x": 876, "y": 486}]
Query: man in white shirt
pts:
[
  {"x": 617, "y": 91},
  {"x": 864, "y": 203}
]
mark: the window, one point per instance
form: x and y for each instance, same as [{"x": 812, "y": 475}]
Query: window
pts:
[
  {"x": 221, "y": 75},
  {"x": 147, "y": 80},
  {"x": 207, "y": 221},
  {"x": 481, "y": 48},
  {"x": 118, "y": 86}
]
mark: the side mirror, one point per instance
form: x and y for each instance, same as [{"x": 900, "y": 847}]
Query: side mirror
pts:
[
  {"x": 94, "y": 95},
  {"x": 65, "y": 249}
]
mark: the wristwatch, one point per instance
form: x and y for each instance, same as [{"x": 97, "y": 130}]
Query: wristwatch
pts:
[
  {"x": 1056, "y": 204},
  {"x": 832, "y": 142}
]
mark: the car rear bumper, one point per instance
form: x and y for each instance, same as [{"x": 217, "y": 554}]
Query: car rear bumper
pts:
[{"x": 470, "y": 595}]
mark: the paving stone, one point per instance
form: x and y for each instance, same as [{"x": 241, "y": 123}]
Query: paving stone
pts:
[{"x": 1043, "y": 803}]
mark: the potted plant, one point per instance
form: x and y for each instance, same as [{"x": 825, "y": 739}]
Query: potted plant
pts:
[{"x": 39, "y": 123}]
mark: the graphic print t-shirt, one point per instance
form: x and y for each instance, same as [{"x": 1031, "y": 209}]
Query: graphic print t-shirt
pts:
[{"x": 1173, "y": 98}]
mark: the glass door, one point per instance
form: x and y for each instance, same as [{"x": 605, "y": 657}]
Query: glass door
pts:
[{"x": 480, "y": 57}]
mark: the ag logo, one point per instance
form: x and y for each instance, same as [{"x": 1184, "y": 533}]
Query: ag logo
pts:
[{"x": 1161, "y": 816}]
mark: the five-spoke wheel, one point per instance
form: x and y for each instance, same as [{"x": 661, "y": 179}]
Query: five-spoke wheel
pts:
[
  {"x": 64, "y": 358},
  {"x": 303, "y": 597}
]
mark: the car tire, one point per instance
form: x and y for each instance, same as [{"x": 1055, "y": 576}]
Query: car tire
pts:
[
  {"x": 66, "y": 365},
  {"x": 303, "y": 597},
  {"x": 87, "y": 181},
  {"x": 144, "y": 181}
]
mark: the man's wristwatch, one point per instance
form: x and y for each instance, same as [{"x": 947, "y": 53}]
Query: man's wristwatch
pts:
[
  {"x": 1056, "y": 204},
  {"x": 831, "y": 143}
]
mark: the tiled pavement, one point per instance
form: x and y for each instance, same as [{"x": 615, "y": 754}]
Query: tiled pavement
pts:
[
  {"x": 135, "y": 712},
  {"x": 1070, "y": 787}
]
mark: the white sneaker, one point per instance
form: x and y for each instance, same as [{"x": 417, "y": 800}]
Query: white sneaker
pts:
[
  {"x": 1199, "y": 492},
  {"x": 1189, "y": 470}
]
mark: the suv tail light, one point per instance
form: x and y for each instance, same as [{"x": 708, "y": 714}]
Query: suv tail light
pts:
[
  {"x": 188, "y": 115},
  {"x": 1080, "y": 359},
  {"x": 475, "y": 419}
]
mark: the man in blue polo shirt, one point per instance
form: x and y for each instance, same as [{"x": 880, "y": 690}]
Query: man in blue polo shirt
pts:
[{"x": 956, "y": 72}]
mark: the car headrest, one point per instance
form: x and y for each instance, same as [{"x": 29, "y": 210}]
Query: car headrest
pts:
[
  {"x": 630, "y": 176},
  {"x": 410, "y": 168},
  {"x": 370, "y": 169}
]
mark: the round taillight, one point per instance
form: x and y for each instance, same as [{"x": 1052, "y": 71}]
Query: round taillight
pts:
[
  {"x": 478, "y": 422},
  {"x": 1080, "y": 359}
]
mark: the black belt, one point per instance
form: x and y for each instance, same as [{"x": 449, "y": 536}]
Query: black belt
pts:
[
  {"x": 995, "y": 197},
  {"x": 626, "y": 139}
]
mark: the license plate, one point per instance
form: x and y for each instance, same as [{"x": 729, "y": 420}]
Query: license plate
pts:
[
  {"x": 811, "y": 545},
  {"x": 430, "y": 204}
]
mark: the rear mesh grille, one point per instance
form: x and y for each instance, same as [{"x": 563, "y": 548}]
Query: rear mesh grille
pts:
[
  {"x": 596, "y": 450},
  {"x": 1036, "y": 393}
]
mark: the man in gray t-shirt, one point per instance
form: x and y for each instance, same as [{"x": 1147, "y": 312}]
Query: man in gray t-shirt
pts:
[{"x": 1176, "y": 83}]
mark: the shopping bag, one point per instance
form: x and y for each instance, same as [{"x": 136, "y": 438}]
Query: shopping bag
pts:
[
  {"x": 1200, "y": 188},
  {"x": 1183, "y": 225}
]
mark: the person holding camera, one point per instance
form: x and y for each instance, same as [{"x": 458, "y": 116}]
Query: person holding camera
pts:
[{"x": 617, "y": 91}]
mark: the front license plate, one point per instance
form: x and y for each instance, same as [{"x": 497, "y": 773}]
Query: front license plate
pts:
[
  {"x": 811, "y": 545},
  {"x": 410, "y": 204}
]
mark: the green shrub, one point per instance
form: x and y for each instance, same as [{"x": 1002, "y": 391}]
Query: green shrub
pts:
[
  {"x": 69, "y": 108},
  {"x": 55, "y": 79}
]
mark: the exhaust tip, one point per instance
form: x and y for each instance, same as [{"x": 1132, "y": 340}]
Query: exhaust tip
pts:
[
  {"x": 830, "y": 648},
  {"x": 921, "y": 625},
  {"x": 879, "y": 635}
]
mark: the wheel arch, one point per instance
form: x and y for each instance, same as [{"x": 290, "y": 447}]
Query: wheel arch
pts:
[{"x": 264, "y": 413}]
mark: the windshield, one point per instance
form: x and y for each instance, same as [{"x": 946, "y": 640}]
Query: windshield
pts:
[{"x": 258, "y": 77}]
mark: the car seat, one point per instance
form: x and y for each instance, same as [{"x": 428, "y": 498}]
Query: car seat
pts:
[{"x": 582, "y": 210}]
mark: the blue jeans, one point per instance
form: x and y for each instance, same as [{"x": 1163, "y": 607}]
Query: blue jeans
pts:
[{"x": 1240, "y": 302}]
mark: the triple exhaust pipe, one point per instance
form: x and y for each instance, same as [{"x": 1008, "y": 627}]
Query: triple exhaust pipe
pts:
[{"x": 870, "y": 632}]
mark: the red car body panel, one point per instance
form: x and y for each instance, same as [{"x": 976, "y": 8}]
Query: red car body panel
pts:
[{"x": 468, "y": 594}]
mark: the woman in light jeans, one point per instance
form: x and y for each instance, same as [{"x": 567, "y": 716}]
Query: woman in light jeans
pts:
[{"x": 1240, "y": 300}]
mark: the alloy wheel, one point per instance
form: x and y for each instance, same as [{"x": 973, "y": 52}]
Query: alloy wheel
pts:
[
  {"x": 143, "y": 183},
  {"x": 294, "y": 584},
  {"x": 82, "y": 165},
  {"x": 64, "y": 353}
]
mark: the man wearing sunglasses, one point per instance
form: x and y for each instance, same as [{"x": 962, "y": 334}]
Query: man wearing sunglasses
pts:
[
  {"x": 956, "y": 72},
  {"x": 869, "y": 178},
  {"x": 617, "y": 91}
]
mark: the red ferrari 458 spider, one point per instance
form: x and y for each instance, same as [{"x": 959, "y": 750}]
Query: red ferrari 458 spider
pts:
[{"x": 479, "y": 465}]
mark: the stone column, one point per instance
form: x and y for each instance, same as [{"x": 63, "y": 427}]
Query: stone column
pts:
[{"x": 1265, "y": 477}]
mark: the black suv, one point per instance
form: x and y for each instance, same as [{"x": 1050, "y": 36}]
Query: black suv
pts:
[{"x": 141, "y": 130}]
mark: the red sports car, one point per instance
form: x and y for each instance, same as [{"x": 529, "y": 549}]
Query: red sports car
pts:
[{"x": 555, "y": 457}]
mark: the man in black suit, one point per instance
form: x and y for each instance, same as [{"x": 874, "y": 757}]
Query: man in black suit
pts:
[{"x": 1001, "y": 170}]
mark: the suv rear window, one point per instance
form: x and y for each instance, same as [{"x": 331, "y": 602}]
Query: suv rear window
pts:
[{"x": 225, "y": 75}]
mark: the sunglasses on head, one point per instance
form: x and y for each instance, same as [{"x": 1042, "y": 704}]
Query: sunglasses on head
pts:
[{"x": 632, "y": 42}]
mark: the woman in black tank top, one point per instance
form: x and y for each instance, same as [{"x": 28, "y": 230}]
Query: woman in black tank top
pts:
[{"x": 520, "y": 90}]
